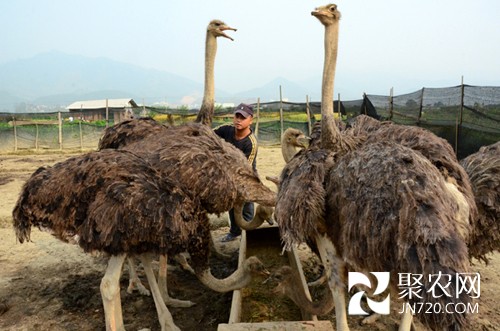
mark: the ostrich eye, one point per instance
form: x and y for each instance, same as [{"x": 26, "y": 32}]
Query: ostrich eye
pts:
[{"x": 333, "y": 8}]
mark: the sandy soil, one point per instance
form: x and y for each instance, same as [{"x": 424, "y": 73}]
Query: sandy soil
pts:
[{"x": 51, "y": 285}]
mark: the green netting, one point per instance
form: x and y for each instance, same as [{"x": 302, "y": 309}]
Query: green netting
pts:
[{"x": 467, "y": 116}]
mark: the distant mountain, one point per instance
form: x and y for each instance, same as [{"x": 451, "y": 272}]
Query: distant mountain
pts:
[
  {"x": 290, "y": 91},
  {"x": 58, "y": 78},
  {"x": 52, "y": 80},
  {"x": 8, "y": 101}
]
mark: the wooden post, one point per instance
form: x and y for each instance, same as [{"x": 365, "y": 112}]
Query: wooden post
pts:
[
  {"x": 461, "y": 114},
  {"x": 59, "y": 119},
  {"x": 258, "y": 119},
  {"x": 308, "y": 112},
  {"x": 338, "y": 105},
  {"x": 421, "y": 106},
  {"x": 281, "y": 114},
  {"x": 15, "y": 133},
  {"x": 36, "y": 137},
  {"x": 391, "y": 103},
  {"x": 107, "y": 114},
  {"x": 81, "y": 136}
]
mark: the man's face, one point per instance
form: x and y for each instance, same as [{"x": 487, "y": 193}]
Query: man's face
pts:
[{"x": 240, "y": 122}]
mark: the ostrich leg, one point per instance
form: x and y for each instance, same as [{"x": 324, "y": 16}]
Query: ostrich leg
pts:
[
  {"x": 164, "y": 316},
  {"x": 110, "y": 293},
  {"x": 162, "y": 284},
  {"x": 334, "y": 269},
  {"x": 134, "y": 282},
  {"x": 406, "y": 321}
]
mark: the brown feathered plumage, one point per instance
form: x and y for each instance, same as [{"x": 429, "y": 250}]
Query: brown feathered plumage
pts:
[
  {"x": 130, "y": 131},
  {"x": 434, "y": 148},
  {"x": 406, "y": 208},
  {"x": 113, "y": 201},
  {"x": 384, "y": 206},
  {"x": 203, "y": 164},
  {"x": 388, "y": 209},
  {"x": 483, "y": 169}
]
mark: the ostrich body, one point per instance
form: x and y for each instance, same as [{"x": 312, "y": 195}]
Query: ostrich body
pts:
[
  {"x": 194, "y": 156},
  {"x": 360, "y": 193},
  {"x": 114, "y": 202},
  {"x": 483, "y": 168},
  {"x": 212, "y": 170},
  {"x": 434, "y": 148},
  {"x": 402, "y": 219}
]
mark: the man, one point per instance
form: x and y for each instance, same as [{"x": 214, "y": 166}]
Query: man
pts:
[{"x": 241, "y": 136}]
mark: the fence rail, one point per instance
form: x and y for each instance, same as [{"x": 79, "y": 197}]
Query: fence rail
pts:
[{"x": 467, "y": 116}]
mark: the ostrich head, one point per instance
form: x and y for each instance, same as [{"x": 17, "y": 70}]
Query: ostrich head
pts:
[
  {"x": 217, "y": 28},
  {"x": 254, "y": 266},
  {"x": 291, "y": 140},
  {"x": 327, "y": 15},
  {"x": 284, "y": 278},
  {"x": 295, "y": 138}
]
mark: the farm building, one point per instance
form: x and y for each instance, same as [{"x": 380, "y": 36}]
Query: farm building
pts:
[{"x": 96, "y": 110}]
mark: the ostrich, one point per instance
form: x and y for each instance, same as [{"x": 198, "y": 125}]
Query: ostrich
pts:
[
  {"x": 483, "y": 168},
  {"x": 212, "y": 172},
  {"x": 358, "y": 191},
  {"x": 176, "y": 151},
  {"x": 114, "y": 202}
]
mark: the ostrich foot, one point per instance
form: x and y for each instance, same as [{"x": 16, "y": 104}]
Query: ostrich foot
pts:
[
  {"x": 137, "y": 285},
  {"x": 370, "y": 319},
  {"x": 182, "y": 260},
  {"x": 177, "y": 303},
  {"x": 134, "y": 283}
]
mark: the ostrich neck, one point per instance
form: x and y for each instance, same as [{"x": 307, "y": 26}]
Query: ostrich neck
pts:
[
  {"x": 210, "y": 52},
  {"x": 240, "y": 221},
  {"x": 297, "y": 294},
  {"x": 288, "y": 151},
  {"x": 330, "y": 134},
  {"x": 238, "y": 279},
  {"x": 207, "y": 107}
]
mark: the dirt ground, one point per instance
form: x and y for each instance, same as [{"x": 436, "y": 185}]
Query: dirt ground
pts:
[{"x": 50, "y": 285}]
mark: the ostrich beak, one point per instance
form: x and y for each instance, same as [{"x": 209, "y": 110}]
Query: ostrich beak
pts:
[
  {"x": 265, "y": 273},
  {"x": 225, "y": 28},
  {"x": 303, "y": 141},
  {"x": 269, "y": 278}
]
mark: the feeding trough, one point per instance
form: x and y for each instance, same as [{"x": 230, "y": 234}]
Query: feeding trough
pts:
[{"x": 256, "y": 307}]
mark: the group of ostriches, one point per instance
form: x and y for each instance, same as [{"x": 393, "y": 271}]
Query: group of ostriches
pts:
[
  {"x": 148, "y": 191},
  {"x": 388, "y": 198},
  {"x": 372, "y": 197}
]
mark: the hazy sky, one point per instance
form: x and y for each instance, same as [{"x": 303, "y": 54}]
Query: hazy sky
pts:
[{"x": 405, "y": 44}]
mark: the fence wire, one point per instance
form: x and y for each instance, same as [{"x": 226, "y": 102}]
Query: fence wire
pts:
[{"x": 468, "y": 117}]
